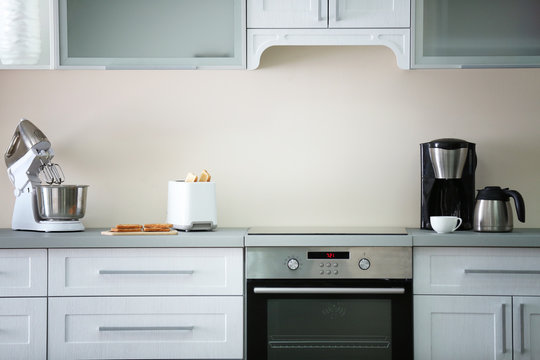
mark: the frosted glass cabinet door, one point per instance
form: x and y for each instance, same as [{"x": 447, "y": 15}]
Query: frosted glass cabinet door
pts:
[
  {"x": 369, "y": 13},
  {"x": 152, "y": 33},
  {"x": 476, "y": 33},
  {"x": 287, "y": 13},
  {"x": 462, "y": 327},
  {"x": 25, "y": 37}
]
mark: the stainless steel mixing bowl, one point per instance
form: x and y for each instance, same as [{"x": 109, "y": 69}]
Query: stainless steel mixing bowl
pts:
[{"x": 61, "y": 202}]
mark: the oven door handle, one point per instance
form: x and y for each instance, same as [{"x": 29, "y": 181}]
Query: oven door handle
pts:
[{"x": 307, "y": 290}]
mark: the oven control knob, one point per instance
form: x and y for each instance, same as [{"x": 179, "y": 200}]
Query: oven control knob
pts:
[
  {"x": 364, "y": 264},
  {"x": 293, "y": 264}
]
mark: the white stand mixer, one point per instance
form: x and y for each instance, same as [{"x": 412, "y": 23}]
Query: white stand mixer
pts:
[{"x": 41, "y": 207}]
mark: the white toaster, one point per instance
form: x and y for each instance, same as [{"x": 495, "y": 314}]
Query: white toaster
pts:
[{"x": 191, "y": 206}]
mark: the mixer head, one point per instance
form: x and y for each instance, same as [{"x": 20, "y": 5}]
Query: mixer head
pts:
[
  {"x": 27, "y": 137},
  {"x": 29, "y": 157}
]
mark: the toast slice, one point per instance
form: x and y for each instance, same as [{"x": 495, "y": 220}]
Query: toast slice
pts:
[
  {"x": 205, "y": 176},
  {"x": 190, "y": 177}
]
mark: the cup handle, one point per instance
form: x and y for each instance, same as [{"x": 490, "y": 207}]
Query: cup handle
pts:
[{"x": 459, "y": 224}]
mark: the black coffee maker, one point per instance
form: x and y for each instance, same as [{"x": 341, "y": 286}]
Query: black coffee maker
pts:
[{"x": 448, "y": 167}]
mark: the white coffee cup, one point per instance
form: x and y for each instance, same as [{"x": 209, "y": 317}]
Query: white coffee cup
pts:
[{"x": 445, "y": 224}]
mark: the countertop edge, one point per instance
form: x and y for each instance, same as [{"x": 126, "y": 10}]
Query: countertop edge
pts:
[
  {"x": 519, "y": 237},
  {"x": 92, "y": 238}
]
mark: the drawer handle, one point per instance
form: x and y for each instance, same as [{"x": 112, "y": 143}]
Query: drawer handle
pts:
[
  {"x": 146, "y": 272},
  {"x": 277, "y": 290},
  {"x": 486, "y": 271},
  {"x": 146, "y": 328}
]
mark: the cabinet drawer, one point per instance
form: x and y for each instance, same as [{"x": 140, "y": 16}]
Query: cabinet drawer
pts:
[
  {"x": 23, "y": 272},
  {"x": 146, "y": 327},
  {"x": 178, "y": 271},
  {"x": 23, "y": 328},
  {"x": 476, "y": 271}
]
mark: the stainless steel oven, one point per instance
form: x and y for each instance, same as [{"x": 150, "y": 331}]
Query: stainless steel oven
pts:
[{"x": 331, "y": 303}]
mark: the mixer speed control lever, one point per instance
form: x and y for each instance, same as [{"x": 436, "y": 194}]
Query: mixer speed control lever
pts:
[{"x": 293, "y": 264}]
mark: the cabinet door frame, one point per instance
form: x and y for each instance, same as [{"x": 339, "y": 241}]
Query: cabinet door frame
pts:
[
  {"x": 396, "y": 15},
  {"x": 48, "y": 40},
  {"x": 28, "y": 324},
  {"x": 499, "y": 307},
  {"x": 63, "y": 61},
  {"x": 25, "y": 275},
  {"x": 524, "y": 308},
  {"x": 138, "y": 271},
  {"x": 419, "y": 61},
  {"x": 168, "y": 327},
  {"x": 258, "y": 17},
  {"x": 476, "y": 271}
]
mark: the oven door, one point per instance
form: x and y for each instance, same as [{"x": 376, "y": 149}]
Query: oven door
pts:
[{"x": 321, "y": 319}]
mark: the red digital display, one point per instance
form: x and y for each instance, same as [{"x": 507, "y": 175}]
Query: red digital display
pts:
[{"x": 328, "y": 255}]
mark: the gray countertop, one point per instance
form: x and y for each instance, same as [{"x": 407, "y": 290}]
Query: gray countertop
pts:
[
  {"x": 90, "y": 238},
  {"x": 517, "y": 238},
  {"x": 238, "y": 237}
]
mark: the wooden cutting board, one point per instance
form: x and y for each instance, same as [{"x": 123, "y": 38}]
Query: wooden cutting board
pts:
[{"x": 111, "y": 233}]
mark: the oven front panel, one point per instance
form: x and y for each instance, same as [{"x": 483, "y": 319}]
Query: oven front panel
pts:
[{"x": 317, "y": 319}]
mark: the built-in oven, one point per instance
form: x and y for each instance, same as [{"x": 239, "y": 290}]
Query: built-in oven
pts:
[{"x": 331, "y": 303}]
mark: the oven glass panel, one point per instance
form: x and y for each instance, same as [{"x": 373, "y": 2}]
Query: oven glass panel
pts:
[{"x": 344, "y": 329}]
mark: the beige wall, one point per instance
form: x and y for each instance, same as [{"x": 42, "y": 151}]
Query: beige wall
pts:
[{"x": 316, "y": 135}]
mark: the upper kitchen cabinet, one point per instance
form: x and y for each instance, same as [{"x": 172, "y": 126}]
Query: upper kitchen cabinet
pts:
[
  {"x": 476, "y": 33},
  {"x": 148, "y": 34},
  {"x": 25, "y": 36},
  {"x": 287, "y": 14},
  {"x": 328, "y": 22}
]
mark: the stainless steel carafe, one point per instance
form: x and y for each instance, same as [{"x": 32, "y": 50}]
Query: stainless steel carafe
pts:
[{"x": 493, "y": 212}]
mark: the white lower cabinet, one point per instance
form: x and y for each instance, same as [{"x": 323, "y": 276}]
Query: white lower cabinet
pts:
[
  {"x": 178, "y": 271},
  {"x": 476, "y": 303},
  {"x": 23, "y": 272},
  {"x": 146, "y": 327},
  {"x": 176, "y": 303},
  {"x": 463, "y": 327},
  {"x": 23, "y": 328}
]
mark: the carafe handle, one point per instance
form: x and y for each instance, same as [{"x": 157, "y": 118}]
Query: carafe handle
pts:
[{"x": 518, "y": 201}]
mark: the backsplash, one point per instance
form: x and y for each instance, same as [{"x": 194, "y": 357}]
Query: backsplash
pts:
[{"x": 315, "y": 136}]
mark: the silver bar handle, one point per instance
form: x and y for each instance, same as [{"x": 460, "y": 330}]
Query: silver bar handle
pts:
[
  {"x": 284, "y": 290},
  {"x": 315, "y": 9},
  {"x": 522, "y": 328},
  {"x": 496, "y": 271},
  {"x": 503, "y": 328},
  {"x": 145, "y": 328},
  {"x": 146, "y": 272},
  {"x": 150, "y": 67}
]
